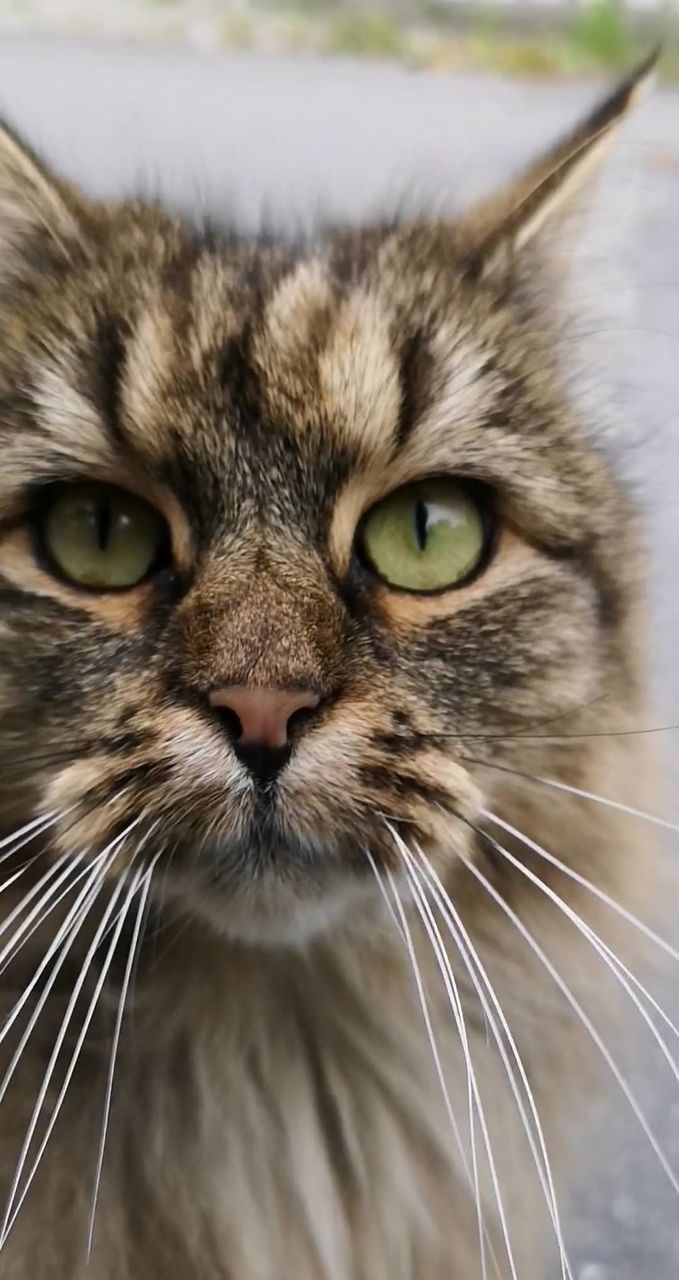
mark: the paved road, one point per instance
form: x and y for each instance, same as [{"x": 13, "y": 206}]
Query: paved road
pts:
[{"x": 250, "y": 137}]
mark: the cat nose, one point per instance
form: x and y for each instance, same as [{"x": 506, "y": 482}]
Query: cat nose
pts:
[{"x": 261, "y": 717}]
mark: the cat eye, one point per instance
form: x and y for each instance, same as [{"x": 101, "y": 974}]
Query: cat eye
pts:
[
  {"x": 100, "y": 537},
  {"x": 427, "y": 536}
]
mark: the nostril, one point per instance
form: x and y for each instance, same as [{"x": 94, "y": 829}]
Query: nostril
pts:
[
  {"x": 231, "y": 722},
  {"x": 299, "y": 719}
]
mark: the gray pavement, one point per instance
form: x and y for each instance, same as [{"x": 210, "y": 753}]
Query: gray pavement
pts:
[{"x": 251, "y": 138}]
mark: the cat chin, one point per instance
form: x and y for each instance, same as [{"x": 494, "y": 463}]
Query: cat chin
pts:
[{"x": 277, "y": 913}]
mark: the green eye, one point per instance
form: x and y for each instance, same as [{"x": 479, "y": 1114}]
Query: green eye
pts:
[
  {"x": 426, "y": 537},
  {"x": 101, "y": 537}
]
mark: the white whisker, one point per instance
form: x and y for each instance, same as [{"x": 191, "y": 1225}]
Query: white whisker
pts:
[
  {"x": 73, "y": 861},
  {"x": 424, "y": 1004},
  {"x": 100, "y": 866},
  {"x": 388, "y": 903},
  {"x": 146, "y": 885},
  {"x": 406, "y": 936},
  {"x": 52, "y": 906},
  {"x": 586, "y": 884},
  {"x": 9, "y": 1221},
  {"x": 16, "y": 875},
  {"x": 644, "y": 990},
  {"x": 69, "y": 931},
  {"x": 636, "y": 982},
  {"x": 581, "y": 1014},
  {"x": 33, "y": 828},
  {"x": 68, "y": 862},
  {"x": 607, "y": 955},
  {"x": 80, "y": 981},
  {"x": 473, "y": 1096},
  {"x": 37, "y": 828},
  {"x": 610, "y": 804},
  {"x": 452, "y": 992},
  {"x": 472, "y": 960}
]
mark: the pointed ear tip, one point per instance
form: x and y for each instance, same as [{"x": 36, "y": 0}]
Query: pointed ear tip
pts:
[{"x": 641, "y": 80}]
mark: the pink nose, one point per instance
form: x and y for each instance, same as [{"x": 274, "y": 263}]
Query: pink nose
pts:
[{"x": 263, "y": 715}]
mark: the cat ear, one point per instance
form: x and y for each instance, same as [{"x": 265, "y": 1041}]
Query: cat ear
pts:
[
  {"x": 33, "y": 203},
  {"x": 551, "y": 188}
]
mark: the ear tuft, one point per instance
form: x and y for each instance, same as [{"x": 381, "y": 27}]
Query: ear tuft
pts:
[
  {"x": 32, "y": 202},
  {"x": 548, "y": 188}
]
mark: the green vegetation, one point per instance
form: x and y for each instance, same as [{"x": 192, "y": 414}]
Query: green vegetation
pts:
[
  {"x": 372, "y": 34},
  {"x": 314, "y": 6},
  {"x": 515, "y": 57},
  {"x": 602, "y": 34},
  {"x": 600, "y": 37}
]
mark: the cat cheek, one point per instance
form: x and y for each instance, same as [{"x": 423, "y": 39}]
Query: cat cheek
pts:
[
  {"x": 84, "y": 823},
  {"x": 445, "y": 829},
  {"x": 453, "y": 778}
]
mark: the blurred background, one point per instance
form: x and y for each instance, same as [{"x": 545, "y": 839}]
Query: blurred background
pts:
[
  {"x": 523, "y": 37},
  {"x": 252, "y": 110}
]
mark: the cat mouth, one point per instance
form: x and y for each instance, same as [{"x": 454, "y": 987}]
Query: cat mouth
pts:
[
  {"x": 264, "y": 886},
  {"x": 268, "y": 848},
  {"x": 270, "y": 880},
  {"x": 282, "y": 858}
]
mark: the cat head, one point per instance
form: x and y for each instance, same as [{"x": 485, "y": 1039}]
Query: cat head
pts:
[{"x": 288, "y": 533}]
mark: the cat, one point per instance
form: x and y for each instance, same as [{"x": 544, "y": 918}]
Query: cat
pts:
[{"x": 321, "y": 631}]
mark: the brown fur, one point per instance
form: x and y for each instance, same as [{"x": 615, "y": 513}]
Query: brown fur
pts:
[{"x": 277, "y": 1111}]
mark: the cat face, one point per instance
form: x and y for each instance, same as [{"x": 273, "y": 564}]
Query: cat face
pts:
[{"x": 285, "y": 535}]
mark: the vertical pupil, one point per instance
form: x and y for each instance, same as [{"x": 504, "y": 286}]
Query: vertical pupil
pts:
[
  {"x": 421, "y": 523},
  {"x": 103, "y": 524}
]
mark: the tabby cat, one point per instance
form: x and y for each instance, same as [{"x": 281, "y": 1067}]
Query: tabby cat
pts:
[{"x": 319, "y": 640}]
